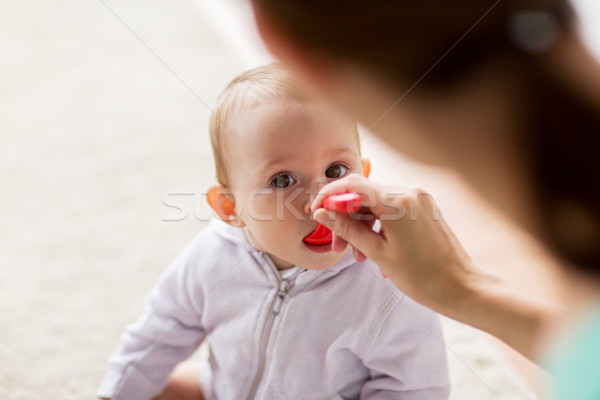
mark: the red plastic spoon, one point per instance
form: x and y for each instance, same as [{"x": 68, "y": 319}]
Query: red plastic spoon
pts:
[
  {"x": 342, "y": 203},
  {"x": 321, "y": 235}
]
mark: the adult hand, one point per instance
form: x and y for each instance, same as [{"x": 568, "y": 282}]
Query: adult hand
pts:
[
  {"x": 415, "y": 247},
  {"x": 418, "y": 251}
]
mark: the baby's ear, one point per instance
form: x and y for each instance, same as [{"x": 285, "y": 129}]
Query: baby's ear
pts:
[
  {"x": 222, "y": 201},
  {"x": 366, "y": 164}
]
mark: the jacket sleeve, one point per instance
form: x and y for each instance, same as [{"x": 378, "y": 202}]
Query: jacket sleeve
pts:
[
  {"x": 407, "y": 356},
  {"x": 168, "y": 332}
]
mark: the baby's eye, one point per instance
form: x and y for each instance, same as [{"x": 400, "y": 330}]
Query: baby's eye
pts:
[
  {"x": 336, "y": 171},
  {"x": 283, "y": 181}
]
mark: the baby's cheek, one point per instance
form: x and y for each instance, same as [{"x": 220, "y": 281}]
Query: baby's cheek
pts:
[
  {"x": 279, "y": 209},
  {"x": 296, "y": 210},
  {"x": 259, "y": 208}
]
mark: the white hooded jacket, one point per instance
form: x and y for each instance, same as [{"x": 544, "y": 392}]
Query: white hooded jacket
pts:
[{"x": 344, "y": 331}]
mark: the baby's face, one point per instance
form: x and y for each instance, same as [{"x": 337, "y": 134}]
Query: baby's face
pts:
[{"x": 282, "y": 155}]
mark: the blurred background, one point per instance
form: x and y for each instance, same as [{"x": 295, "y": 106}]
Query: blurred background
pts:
[{"x": 104, "y": 157}]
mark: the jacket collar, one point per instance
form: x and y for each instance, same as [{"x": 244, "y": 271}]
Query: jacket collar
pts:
[{"x": 235, "y": 235}]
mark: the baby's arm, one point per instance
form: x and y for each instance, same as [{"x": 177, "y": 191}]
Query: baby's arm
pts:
[
  {"x": 407, "y": 358},
  {"x": 168, "y": 332}
]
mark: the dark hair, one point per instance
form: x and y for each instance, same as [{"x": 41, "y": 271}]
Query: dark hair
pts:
[
  {"x": 403, "y": 39},
  {"x": 564, "y": 151}
]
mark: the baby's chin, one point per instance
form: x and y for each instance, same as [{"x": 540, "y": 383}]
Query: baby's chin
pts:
[{"x": 321, "y": 261}]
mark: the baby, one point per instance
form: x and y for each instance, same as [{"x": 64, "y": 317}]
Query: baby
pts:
[{"x": 286, "y": 319}]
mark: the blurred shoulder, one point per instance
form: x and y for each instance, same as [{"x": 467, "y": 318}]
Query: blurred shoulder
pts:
[{"x": 216, "y": 245}]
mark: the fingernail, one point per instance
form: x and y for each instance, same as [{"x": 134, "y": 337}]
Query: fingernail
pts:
[
  {"x": 312, "y": 206},
  {"x": 322, "y": 218}
]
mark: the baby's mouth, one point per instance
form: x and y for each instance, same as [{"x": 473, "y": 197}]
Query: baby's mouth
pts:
[{"x": 320, "y": 236}]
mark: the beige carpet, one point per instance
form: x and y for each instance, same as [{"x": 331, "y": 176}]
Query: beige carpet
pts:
[{"x": 96, "y": 132}]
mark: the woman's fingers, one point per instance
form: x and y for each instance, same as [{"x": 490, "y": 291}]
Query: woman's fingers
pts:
[
  {"x": 378, "y": 202},
  {"x": 358, "y": 255},
  {"x": 374, "y": 196},
  {"x": 338, "y": 243},
  {"x": 360, "y": 235}
]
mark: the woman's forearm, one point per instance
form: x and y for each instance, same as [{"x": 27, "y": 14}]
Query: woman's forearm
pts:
[{"x": 507, "y": 313}]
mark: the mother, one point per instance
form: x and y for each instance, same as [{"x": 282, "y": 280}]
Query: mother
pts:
[{"x": 505, "y": 93}]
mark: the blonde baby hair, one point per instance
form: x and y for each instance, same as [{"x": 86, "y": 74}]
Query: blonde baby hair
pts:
[{"x": 265, "y": 84}]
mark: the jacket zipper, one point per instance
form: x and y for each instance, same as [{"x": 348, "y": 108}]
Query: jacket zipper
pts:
[
  {"x": 283, "y": 291},
  {"x": 284, "y": 288}
]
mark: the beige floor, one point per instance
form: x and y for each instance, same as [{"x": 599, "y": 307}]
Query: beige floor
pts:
[{"x": 96, "y": 134}]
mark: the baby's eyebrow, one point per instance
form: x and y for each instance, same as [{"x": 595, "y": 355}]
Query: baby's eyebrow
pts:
[
  {"x": 269, "y": 167},
  {"x": 280, "y": 160},
  {"x": 284, "y": 160},
  {"x": 341, "y": 150}
]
